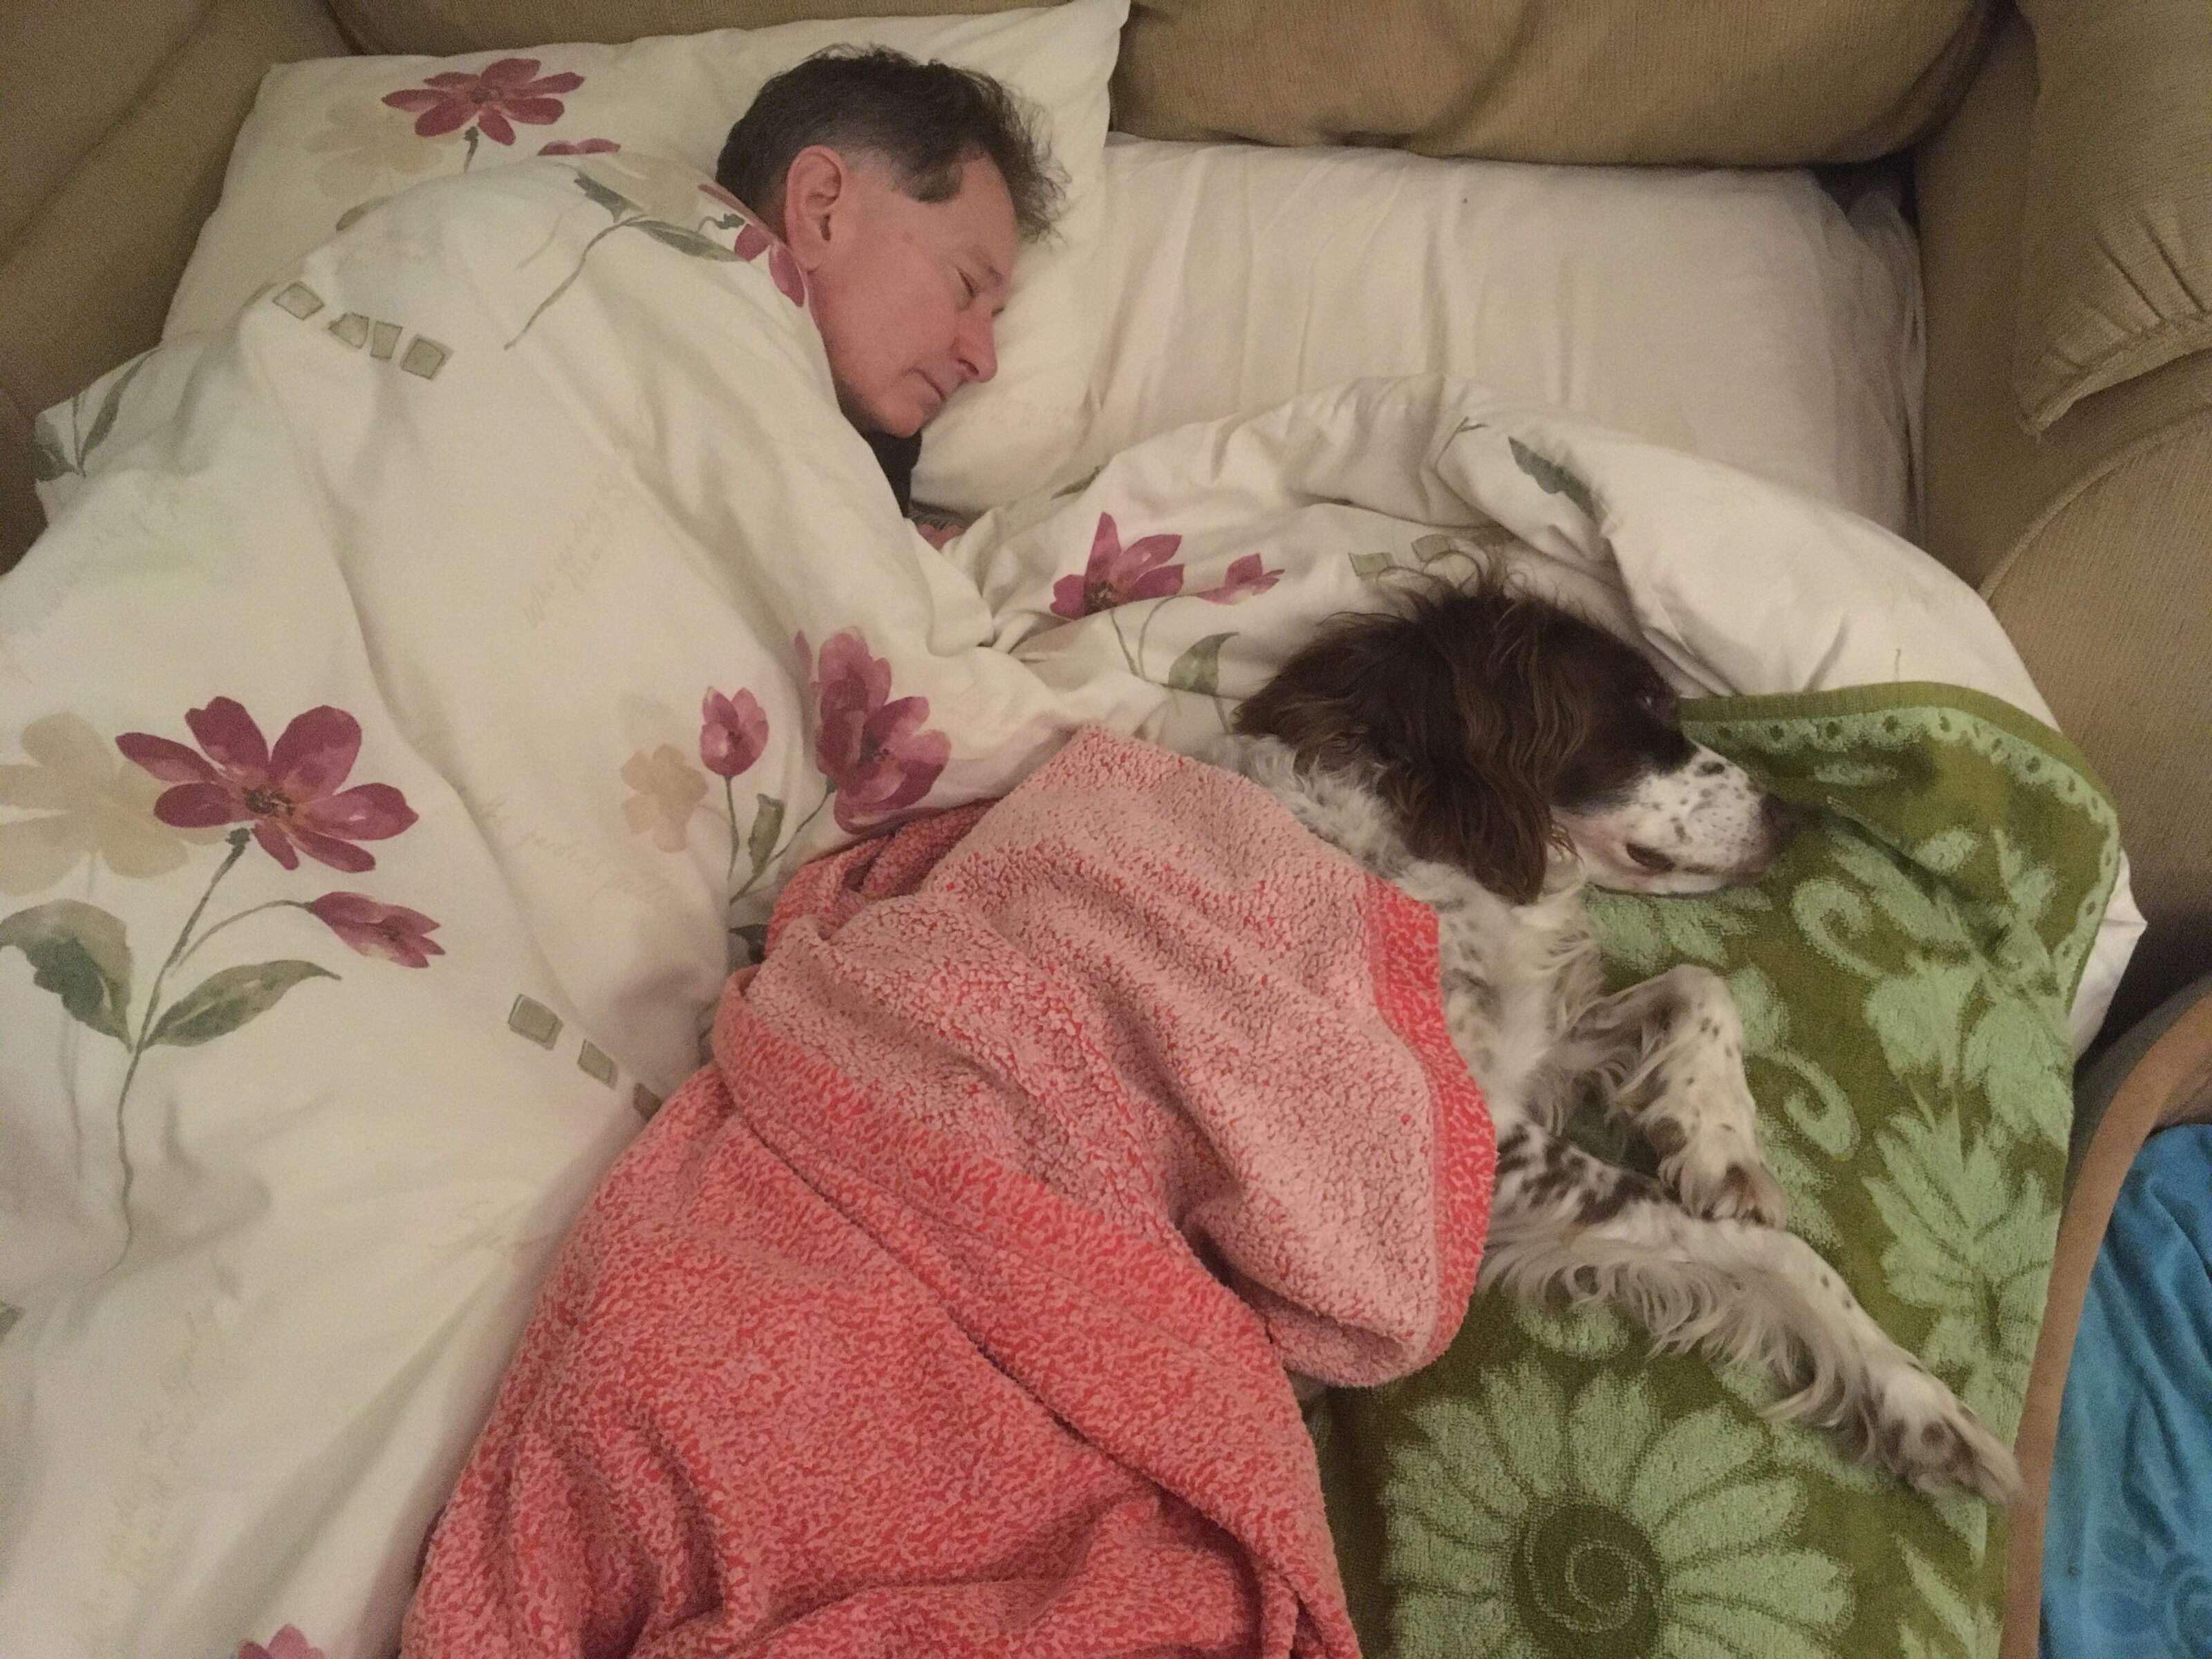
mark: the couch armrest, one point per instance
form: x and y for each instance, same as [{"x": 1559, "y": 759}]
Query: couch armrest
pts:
[
  {"x": 125, "y": 113},
  {"x": 2089, "y": 542},
  {"x": 2160, "y": 1074}
]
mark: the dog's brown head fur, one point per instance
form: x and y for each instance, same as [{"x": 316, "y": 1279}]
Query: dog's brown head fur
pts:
[{"x": 1477, "y": 715}]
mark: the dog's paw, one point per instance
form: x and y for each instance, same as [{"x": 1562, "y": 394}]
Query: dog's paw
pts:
[
  {"x": 1922, "y": 1432},
  {"x": 1719, "y": 1176}
]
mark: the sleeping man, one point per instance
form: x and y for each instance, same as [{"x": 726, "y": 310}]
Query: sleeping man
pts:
[{"x": 902, "y": 190}]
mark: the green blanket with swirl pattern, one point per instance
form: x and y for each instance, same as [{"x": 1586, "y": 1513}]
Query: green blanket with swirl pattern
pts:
[{"x": 1551, "y": 1489}]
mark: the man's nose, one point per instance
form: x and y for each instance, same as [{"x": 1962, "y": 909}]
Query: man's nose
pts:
[{"x": 975, "y": 347}]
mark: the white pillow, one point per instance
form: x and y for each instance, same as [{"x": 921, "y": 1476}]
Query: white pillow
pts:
[
  {"x": 1741, "y": 315},
  {"x": 321, "y": 141}
]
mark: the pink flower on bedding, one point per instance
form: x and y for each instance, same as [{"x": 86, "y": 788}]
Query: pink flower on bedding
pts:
[
  {"x": 1246, "y": 577},
  {"x": 783, "y": 270},
  {"x": 732, "y": 733},
  {"x": 286, "y": 1644},
  {"x": 875, "y": 750},
  {"x": 291, "y": 796},
  {"x": 1118, "y": 575},
  {"x": 490, "y": 100},
  {"x": 753, "y": 239},
  {"x": 391, "y": 931},
  {"x": 580, "y": 146}
]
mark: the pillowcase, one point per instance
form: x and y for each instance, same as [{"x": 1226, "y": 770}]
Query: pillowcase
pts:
[
  {"x": 324, "y": 140},
  {"x": 1736, "y": 82},
  {"x": 1741, "y": 316},
  {"x": 2116, "y": 233}
]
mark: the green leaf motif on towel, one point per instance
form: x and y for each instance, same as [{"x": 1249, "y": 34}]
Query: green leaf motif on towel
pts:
[
  {"x": 1970, "y": 1243},
  {"x": 1554, "y": 478},
  {"x": 1963, "y": 1626},
  {"x": 222, "y": 1002},
  {"x": 1199, "y": 668},
  {"x": 81, "y": 953}
]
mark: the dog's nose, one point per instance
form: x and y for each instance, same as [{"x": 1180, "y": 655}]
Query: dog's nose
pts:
[{"x": 1779, "y": 819}]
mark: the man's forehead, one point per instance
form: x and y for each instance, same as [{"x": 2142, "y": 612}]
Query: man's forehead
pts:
[
  {"x": 983, "y": 210},
  {"x": 979, "y": 215}
]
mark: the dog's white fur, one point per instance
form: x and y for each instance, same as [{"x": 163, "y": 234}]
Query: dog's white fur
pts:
[{"x": 1699, "y": 1257}]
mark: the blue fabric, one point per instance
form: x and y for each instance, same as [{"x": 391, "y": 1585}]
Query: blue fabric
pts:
[{"x": 2127, "y": 1551}]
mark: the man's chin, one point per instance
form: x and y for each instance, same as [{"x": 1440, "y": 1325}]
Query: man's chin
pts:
[{"x": 887, "y": 419}]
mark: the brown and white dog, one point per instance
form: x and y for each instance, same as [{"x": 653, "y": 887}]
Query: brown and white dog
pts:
[{"x": 1488, "y": 753}]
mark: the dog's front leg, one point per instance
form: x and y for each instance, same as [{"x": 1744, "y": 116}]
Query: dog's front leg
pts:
[{"x": 1667, "y": 1054}]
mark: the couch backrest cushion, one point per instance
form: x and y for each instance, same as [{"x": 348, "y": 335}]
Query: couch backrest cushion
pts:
[
  {"x": 2115, "y": 244},
  {"x": 444, "y": 27},
  {"x": 1728, "y": 82}
]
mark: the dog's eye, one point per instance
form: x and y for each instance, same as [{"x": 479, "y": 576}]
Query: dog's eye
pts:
[
  {"x": 1647, "y": 858},
  {"x": 1657, "y": 699}
]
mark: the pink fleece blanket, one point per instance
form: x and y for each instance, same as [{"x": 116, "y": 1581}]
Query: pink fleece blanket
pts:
[{"x": 947, "y": 1311}]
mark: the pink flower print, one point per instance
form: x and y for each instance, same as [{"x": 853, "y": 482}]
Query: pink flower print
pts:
[
  {"x": 874, "y": 750},
  {"x": 391, "y": 931},
  {"x": 732, "y": 733},
  {"x": 1246, "y": 578},
  {"x": 783, "y": 270},
  {"x": 286, "y": 1644},
  {"x": 497, "y": 95},
  {"x": 1117, "y": 574},
  {"x": 580, "y": 146},
  {"x": 668, "y": 790},
  {"x": 291, "y": 796}
]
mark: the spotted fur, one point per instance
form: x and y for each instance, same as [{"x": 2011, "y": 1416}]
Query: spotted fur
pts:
[{"x": 1698, "y": 1256}]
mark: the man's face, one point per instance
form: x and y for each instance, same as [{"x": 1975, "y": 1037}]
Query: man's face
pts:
[{"x": 906, "y": 293}]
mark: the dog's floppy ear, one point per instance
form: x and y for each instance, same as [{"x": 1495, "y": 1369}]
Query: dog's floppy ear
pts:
[{"x": 1411, "y": 701}]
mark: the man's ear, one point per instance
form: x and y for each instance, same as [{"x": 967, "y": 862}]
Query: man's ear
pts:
[{"x": 817, "y": 197}]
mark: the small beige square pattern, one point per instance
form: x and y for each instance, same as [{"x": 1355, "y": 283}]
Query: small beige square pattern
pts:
[
  {"x": 301, "y": 301},
  {"x": 593, "y": 1061},
  {"x": 533, "y": 1020},
  {"x": 424, "y": 356}
]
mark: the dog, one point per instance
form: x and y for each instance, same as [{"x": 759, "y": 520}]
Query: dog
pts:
[{"x": 1488, "y": 753}]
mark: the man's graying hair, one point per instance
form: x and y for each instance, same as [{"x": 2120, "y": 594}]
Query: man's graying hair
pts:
[{"x": 926, "y": 120}]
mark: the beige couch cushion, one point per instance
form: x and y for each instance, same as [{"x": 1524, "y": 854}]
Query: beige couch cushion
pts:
[
  {"x": 445, "y": 27},
  {"x": 2116, "y": 274},
  {"x": 2086, "y": 541},
  {"x": 115, "y": 157},
  {"x": 1751, "y": 82}
]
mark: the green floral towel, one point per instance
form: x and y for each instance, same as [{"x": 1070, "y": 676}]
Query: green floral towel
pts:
[{"x": 1550, "y": 1488}]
